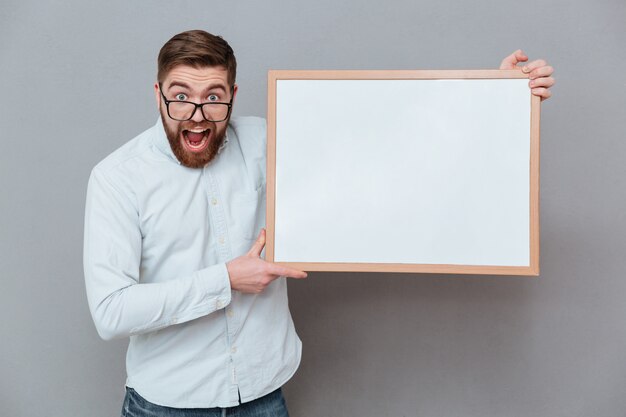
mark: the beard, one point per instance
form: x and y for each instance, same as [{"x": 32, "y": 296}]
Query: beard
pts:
[{"x": 176, "y": 136}]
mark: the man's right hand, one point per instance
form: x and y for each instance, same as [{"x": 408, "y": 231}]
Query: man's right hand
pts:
[{"x": 251, "y": 274}]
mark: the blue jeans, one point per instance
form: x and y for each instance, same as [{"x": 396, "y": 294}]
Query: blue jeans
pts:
[{"x": 271, "y": 405}]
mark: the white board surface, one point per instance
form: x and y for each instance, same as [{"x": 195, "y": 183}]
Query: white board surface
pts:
[{"x": 403, "y": 171}]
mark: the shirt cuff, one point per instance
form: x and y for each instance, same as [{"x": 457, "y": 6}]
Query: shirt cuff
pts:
[{"x": 215, "y": 284}]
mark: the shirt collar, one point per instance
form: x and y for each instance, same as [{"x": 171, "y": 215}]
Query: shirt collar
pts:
[{"x": 163, "y": 145}]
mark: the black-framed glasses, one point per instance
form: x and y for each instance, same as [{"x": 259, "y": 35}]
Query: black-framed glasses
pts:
[{"x": 212, "y": 111}]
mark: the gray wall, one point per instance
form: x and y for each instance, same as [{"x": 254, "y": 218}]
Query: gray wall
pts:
[{"x": 76, "y": 81}]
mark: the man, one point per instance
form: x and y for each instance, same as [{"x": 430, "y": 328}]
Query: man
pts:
[{"x": 171, "y": 259}]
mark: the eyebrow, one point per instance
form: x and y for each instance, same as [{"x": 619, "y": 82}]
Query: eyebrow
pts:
[{"x": 186, "y": 86}]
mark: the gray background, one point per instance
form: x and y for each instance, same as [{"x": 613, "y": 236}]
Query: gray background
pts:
[{"x": 76, "y": 81}]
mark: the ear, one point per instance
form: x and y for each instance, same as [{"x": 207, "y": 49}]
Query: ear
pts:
[
  {"x": 235, "y": 88},
  {"x": 157, "y": 95}
]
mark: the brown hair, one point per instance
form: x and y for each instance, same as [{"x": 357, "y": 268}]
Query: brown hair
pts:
[{"x": 196, "y": 48}]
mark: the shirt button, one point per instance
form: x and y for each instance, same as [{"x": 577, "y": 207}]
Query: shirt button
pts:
[
  {"x": 230, "y": 313},
  {"x": 233, "y": 350},
  {"x": 219, "y": 304},
  {"x": 222, "y": 240},
  {"x": 214, "y": 201}
]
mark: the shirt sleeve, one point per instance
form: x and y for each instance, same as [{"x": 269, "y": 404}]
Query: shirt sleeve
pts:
[{"x": 120, "y": 305}]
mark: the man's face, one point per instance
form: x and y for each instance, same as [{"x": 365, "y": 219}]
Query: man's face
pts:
[{"x": 194, "y": 142}]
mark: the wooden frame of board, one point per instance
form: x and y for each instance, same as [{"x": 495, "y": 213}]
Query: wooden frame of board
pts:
[{"x": 530, "y": 264}]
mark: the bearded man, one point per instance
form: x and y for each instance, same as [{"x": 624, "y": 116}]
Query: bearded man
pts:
[{"x": 173, "y": 241}]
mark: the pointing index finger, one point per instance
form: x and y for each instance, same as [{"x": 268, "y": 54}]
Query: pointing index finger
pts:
[{"x": 287, "y": 271}]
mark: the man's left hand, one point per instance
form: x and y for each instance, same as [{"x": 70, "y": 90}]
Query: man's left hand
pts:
[{"x": 539, "y": 73}]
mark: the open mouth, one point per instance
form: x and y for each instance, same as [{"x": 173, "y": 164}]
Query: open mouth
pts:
[{"x": 196, "y": 140}]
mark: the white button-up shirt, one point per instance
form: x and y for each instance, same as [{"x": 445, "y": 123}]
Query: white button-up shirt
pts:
[{"x": 157, "y": 239}]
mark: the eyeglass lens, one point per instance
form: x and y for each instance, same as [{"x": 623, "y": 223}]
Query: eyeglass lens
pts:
[{"x": 211, "y": 111}]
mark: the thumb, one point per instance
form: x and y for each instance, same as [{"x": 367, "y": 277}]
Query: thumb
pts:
[
  {"x": 511, "y": 61},
  {"x": 258, "y": 246}
]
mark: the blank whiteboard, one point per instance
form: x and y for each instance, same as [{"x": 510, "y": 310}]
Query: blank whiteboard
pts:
[{"x": 403, "y": 171}]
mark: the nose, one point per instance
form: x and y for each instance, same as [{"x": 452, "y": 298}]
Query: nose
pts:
[{"x": 197, "y": 115}]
